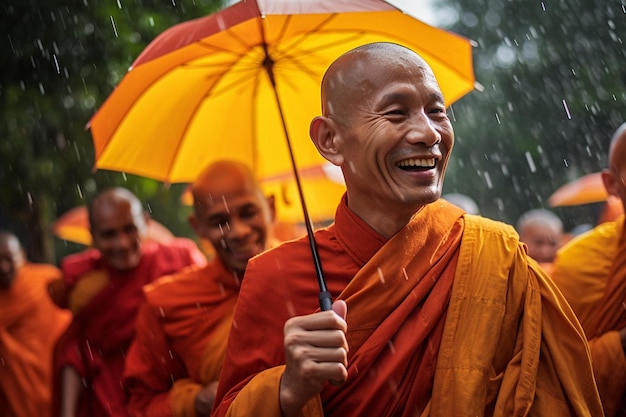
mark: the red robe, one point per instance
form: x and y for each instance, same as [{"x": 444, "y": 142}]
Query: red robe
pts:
[
  {"x": 180, "y": 340},
  {"x": 29, "y": 327},
  {"x": 95, "y": 343},
  {"x": 433, "y": 288}
]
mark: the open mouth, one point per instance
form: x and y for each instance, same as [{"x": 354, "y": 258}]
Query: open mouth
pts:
[{"x": 417, "y": 164}]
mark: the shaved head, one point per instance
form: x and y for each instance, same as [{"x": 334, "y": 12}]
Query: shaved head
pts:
[
  {"x": 347, "y": 80},
  {"x": 232, "y": 213},
  {"x": 614, "y": 176},
  {"x": 12, "y": 258},
  {"x": 118, "y": 225},
  {"x": 114, "y": 196},
  {"x": 219, "y": 178}
]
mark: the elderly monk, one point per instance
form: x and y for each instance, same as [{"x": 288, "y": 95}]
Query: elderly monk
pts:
[
  {"x": 437, "y": 313},
  {"x": 103, "y": 288},
  {"x": 542, "y": 232},
  {"x": 29, "y": 326},
  {"x": 591, "y": 272},
  {"x": 176, "y": 357}
]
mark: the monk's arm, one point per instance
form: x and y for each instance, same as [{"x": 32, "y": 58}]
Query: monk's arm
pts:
[
  {"x": 150, "y": 368},
  {"x": 71, "y": 388}
]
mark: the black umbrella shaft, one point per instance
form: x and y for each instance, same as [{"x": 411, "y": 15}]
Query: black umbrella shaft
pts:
[{"x": 324, "y": 296}]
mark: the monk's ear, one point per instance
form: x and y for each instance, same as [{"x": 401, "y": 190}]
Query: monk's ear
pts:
[
  {"x": 326, "y": 138},
  {"x": 610, "y": 182}
]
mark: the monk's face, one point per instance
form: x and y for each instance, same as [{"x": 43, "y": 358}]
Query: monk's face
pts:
[
  {"x": 235, "y": 217},
  {"x": 394, "y": 134},
  {"x": 542, "y": 241},
  {"x": 11, "y": 260},
  {"x": 117, "y": 230}
]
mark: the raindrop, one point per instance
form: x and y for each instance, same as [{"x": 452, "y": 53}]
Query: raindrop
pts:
[
  {"x": 530, "y": 161},
  {"x": 381, "y": 276},
  {"x": 119, "y": 5},
  {"x": 113, "y": 24},
  {"x": 225, "y": 204},
  {"x": 41, "y": 89},
  {"x": 56, "y": 63},
  {"x": 79, "y": 191},
  {"x": 151, "y": 21},
  {"x": 569, "y": 116},
  {"x": 406, "y": 277},
  {"x": 498, "y": 118},
  {"x": 543, "y": 7},
  {"x": 488, "y": 180}
]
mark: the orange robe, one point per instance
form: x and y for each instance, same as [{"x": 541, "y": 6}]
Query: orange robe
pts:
[
  {"x": 449, "y": 317},
  {"x": 29, "y": 327},
  {"x": 591, "y": 272},
  {"x": 180, "y": 340},
  {"x": 96, "y": 342}
]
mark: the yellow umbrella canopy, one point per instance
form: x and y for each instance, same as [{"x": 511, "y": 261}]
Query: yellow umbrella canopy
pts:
[{"x": 237, "y": 83}]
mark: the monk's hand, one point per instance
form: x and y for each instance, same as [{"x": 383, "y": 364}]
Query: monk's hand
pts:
[
  {"x": 316, "y": 351},
  {"x": 205, "y": 398}
]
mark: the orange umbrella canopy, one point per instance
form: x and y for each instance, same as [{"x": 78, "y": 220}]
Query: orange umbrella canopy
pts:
[
  {"x": 584, "y": 190},
  {"x": 236, "y": 84},
  {"x": 74, "y": 226}
]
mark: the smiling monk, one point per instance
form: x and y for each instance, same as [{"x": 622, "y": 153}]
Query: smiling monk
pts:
[
  {"x": 176, "y": 357},
  {"x": 437, "y": 313},
  {"x": 103, "y": 289},
  {"x": 591, "y": 272}
]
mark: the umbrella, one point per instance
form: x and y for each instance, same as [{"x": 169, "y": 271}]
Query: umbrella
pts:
[
  {"x": 241, "y": 83},
  {"x": 584, "y": 190},
  {"x": 73, "y": 225}
]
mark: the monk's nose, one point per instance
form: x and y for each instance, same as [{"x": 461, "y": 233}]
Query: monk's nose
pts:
[{"x": 423, "y": 130}]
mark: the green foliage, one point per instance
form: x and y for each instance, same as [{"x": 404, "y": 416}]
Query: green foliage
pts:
[
  {"x": 65, "y": 58},
  {"x": 554, "y": 92}
]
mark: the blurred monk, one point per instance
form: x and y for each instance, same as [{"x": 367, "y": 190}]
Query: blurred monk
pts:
[
  {"x": 103, "y": 289},
  {"x": 176, "y": 357},
  {"x": 29, "y": 326},
  {"x": 436, "y": 312},
  {"x": 542, "y": 232},
  {"x": 591, "y": 272}
]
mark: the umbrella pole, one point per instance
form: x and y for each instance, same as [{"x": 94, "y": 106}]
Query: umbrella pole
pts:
[{"x": 325, "y": 298}]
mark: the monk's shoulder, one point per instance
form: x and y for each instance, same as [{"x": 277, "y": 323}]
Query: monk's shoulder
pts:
[
  {"x": 489, "y": 226},
  {"x": 170, "y": 288}
]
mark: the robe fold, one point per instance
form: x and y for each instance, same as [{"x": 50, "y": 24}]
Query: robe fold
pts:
[
  {"x": 96, "y": 342},
  {"x": 29, "y": 326},
  {"x": 181, "y": 335},
  {"x": 446, "y": 318},
  {"x": 591, "y": 272}
]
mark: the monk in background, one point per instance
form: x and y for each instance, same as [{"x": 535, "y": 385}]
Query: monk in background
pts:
[
  {"x": 591, "y": 272},
  {"x": 542, "y": 232},
  {"x": 29, "y": 326},
  {"x": 102, "y": 286},
  {"x": 176, "y": 357},
  {"x": 436, "y": 312}
]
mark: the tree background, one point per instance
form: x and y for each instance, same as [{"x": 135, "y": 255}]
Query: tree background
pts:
[
  {"x": 554, "y": 92},
  {"x": 64, "y": 59},
  {"x": 553, "y": 75}
]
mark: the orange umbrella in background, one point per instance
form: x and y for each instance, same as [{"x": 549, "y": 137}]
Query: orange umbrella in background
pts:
[
  {"x": 244, "y": 83},
  {"x": 73, "y": 225},
  {"x": 584, "y": 190}
]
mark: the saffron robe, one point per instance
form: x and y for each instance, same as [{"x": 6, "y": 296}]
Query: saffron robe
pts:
[
  {"x": 96, "y": 342},
  {"x": 591, "y": 272},
  {"x": 180, "y": 340},
  {"x": 447, "y": 318},
  {"x": 29, "y": 326}
]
